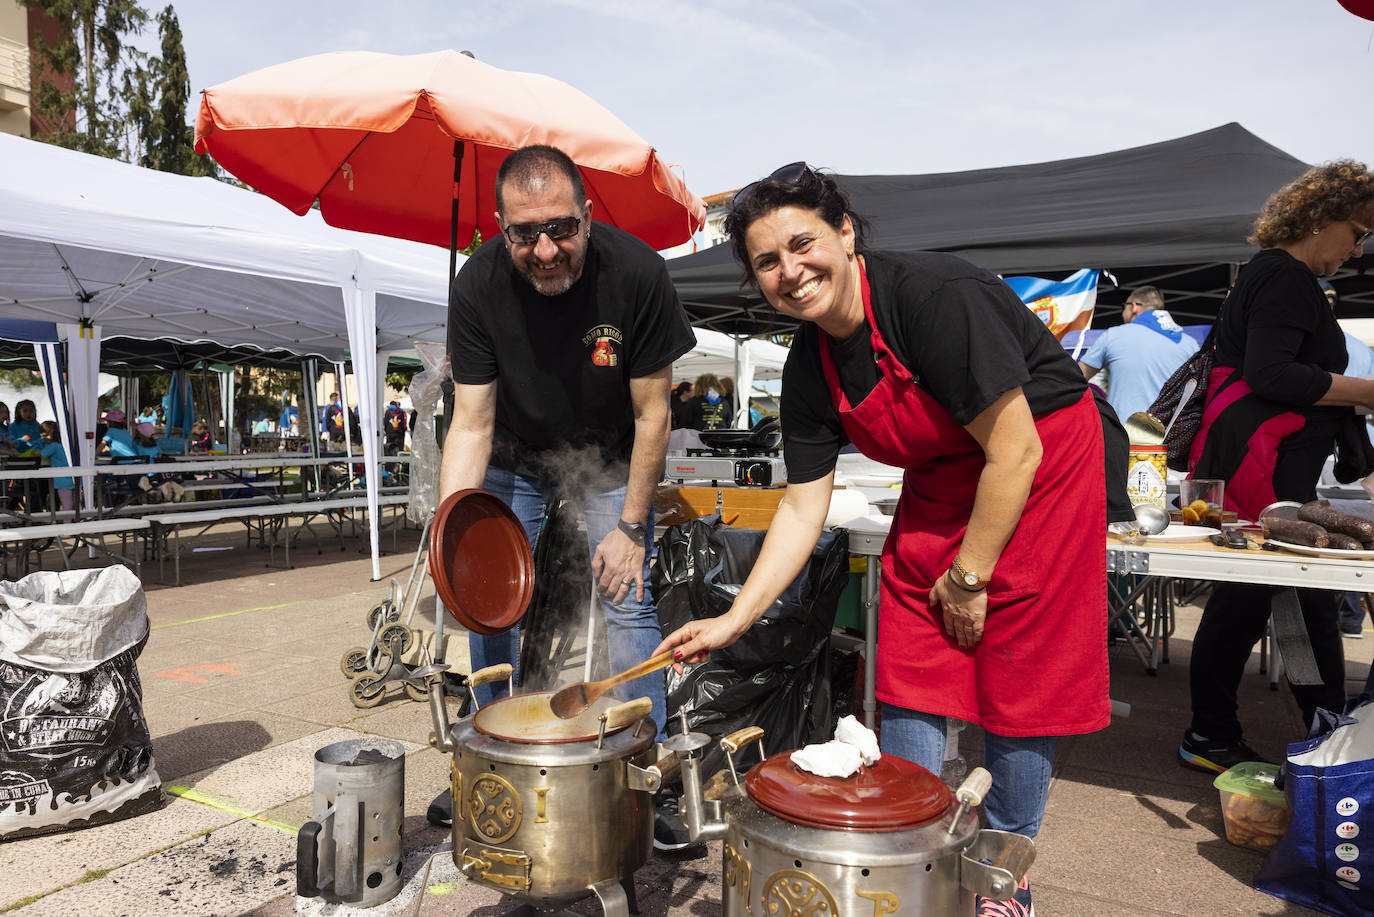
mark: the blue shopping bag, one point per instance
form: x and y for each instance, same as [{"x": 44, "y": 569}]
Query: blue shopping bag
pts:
[{"x": 1325, "y": 860}]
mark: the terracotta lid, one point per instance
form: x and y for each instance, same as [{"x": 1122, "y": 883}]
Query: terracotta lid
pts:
[
  {"x": 892, "y": 795},
  {"x": 480, "y": 561}
]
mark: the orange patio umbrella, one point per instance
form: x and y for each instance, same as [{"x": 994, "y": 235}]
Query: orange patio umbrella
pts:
[{"x": 408, "y": 146}]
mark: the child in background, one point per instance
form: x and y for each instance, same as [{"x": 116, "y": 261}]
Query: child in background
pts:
[
  {"x": 116, "y": 441},
  {"x": 6, "y": 446},
  {"x": 24, "y": 430},
  {"x": 55, "y": 454},
  {"x": 144, "y": 444},
  {"x": 200, "y": 437}
]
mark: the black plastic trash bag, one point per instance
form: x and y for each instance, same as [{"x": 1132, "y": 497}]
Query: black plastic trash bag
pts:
[
  {"x": 74, "y": 746},
  {"x": 777, "y": 675}
]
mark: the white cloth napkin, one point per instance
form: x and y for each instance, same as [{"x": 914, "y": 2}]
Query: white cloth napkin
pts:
[
  {"x": 850, "y": 730},
  {"x": 854, "y": 745},
  {"x": 833, "y": 759}
]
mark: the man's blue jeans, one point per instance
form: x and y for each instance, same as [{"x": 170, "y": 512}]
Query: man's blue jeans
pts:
[
  {"x": 1020, "y": 767},
  {"x": 631, "y": 627}
]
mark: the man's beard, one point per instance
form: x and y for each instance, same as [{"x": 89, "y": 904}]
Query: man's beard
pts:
[{"x": 552, "y": 286}]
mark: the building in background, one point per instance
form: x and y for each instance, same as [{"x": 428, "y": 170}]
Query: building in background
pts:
[{"x": 18, "y": 27}]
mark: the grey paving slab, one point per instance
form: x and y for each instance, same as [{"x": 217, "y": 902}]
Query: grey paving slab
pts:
[
  {"x": 324, "y": 705},
  {"x": 1174, "y": 811},
  {"x": 219, "y": 874},
  {"x": 1091, "y": 856},
  {"x": 203, "y": 747},
  {"x": 49, "y": 862}
]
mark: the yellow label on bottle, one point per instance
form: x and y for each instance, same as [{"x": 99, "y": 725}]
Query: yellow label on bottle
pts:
[{"x": 1145, "y": 475}]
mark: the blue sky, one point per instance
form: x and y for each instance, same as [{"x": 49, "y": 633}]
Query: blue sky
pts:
[{"x": 730, "y": 90}]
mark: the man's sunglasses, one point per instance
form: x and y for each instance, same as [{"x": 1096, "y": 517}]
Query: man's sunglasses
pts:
[
  {"x": 529, "y": 233},
  {"x": 791, "y": 174}
]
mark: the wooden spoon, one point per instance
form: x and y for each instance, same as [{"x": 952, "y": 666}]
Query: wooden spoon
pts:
[{"x": 570, "y": 701}]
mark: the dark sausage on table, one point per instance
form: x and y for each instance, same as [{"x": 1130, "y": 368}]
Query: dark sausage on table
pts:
[
  {"x": 1295, "y": 532},
  {"x": 1343, "y": 542},
  {"x": 1334, "y": 521}
]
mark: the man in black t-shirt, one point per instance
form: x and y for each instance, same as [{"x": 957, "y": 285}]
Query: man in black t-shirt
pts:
[{"x": 561, "y": 335}]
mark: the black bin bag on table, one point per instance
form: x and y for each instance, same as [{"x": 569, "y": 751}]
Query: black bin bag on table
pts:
[
  {"x": 74, "y": 746},
  {"x": 777, "y": 675}
]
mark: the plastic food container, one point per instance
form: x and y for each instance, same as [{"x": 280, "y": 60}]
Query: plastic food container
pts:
[{"x": 1254, "y": 810}]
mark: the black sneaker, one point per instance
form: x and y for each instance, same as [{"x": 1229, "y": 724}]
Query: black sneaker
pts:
[
  {"x": 1202, "y": 754},
  {"x": 440, "y": 812},
  {"x": 670, "y": 834}
]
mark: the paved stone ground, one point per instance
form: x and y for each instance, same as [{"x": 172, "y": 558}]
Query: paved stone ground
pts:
[{"x": 242, "y": 684}]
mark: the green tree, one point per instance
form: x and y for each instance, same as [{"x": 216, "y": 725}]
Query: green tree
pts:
[
  {"x": 83, "y": 80},
  {"x": 157, "y": 107}
]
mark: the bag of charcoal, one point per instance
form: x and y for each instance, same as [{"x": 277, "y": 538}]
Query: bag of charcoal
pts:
[{"x": 74, "y": 746}]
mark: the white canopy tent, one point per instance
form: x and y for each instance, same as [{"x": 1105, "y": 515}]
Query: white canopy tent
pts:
[
  {"x": 745, "y": 360},
  {"x": 103, "y": 247}
]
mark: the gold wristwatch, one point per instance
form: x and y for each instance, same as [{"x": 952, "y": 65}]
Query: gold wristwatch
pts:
[{"x": 966, "y": 578}]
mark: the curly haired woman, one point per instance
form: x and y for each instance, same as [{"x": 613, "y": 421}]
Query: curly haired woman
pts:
[{"x": 1277, "y": 406}]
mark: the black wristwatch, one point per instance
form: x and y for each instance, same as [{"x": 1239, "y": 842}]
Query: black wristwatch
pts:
[{"x": 636, "y": 530}]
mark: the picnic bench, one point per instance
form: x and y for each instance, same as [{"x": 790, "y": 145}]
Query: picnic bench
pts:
[
  {"x": 273, "y": 518},
  {"x": 34, "y": 539}
]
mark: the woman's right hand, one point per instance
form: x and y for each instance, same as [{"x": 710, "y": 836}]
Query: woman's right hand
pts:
[{"x": 692, "y": 643}]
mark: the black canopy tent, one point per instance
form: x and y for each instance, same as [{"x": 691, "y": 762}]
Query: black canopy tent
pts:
[{"x": 1172, "y": 214}]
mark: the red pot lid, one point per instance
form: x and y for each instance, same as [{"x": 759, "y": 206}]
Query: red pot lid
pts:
[
  {"x": 892, "y": 795},
  {"x": 480, "y": 561}
]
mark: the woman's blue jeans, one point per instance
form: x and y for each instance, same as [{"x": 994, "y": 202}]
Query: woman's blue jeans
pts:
[
  {"x": 631, "y": 627},
  {"x": 1020, "y": 767}
]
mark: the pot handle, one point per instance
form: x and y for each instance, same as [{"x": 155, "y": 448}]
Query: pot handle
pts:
[
  {"x": 632, "y": 711},
  {"x": 735, "y": 741},
  {"x": 500, "y": 672}
]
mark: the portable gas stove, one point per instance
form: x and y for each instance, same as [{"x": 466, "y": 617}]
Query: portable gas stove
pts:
[{"x": 741, "y": 467}]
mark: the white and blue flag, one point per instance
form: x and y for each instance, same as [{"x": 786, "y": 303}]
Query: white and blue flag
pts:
[{"x": 1063, "y": 305}]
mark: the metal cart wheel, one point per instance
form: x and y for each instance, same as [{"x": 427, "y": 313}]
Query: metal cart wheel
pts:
[
  {"x": 354, "y": 662},
  {"x": 367, "y": 692}
]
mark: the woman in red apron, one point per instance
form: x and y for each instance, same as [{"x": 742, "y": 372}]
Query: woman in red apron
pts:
[{"x": 993, "y": 605}]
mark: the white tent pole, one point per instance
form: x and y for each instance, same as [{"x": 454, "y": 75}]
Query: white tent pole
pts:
[
  {"x": 360, "y": 308},
  {"x": 83, "y": 379},
  {"x": 744, "y": 384},
  {"x": 227, "y": 380}
]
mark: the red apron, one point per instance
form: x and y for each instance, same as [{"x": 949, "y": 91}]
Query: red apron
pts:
[{"x": 1041, "y": 668}]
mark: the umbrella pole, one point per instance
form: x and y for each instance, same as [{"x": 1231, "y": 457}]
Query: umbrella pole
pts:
[{"x": 453, "y": 218}]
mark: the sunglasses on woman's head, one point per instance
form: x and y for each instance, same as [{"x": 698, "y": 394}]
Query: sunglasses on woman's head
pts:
[{"x": 790, "y": 174}]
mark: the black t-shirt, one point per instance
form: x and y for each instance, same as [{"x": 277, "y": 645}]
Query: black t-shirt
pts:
[
  {"x": 962, "y": 333},
  {"x": 564, "y": 363},
  {"x": 1278, "y": 327}
]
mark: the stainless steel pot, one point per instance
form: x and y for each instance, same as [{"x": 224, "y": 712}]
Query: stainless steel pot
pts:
[
  {"x": 547, "y": 809},
  {"x": 790, "y": 855}
]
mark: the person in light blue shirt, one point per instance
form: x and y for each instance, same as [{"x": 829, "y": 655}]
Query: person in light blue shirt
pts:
[
  {"x": 55, "y": 454},
  {"x": 1361, "y": 357},
  {"x": 24, "y": 430},
  {"x": 144, "y": 444},
  {"x": 117, "y": 441},
  {"x": 1139, "y": 355}
]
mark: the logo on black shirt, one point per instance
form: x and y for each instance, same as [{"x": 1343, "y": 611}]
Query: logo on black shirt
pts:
[{"x": 603, "y": 340}]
